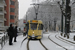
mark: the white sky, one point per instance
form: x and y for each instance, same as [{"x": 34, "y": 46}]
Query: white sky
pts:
[{"x": 23, "y": 7}]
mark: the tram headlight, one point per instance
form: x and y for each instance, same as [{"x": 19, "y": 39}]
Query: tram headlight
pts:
[{"x": 33, "y": 31}]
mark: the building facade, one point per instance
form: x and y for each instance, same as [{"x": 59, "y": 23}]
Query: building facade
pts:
[
  {"x": 2, "y": 14},
  {"x": 12, "y": 11},
  {"x": 8, "y": 13},
  {"x": 16, "y": 12}
]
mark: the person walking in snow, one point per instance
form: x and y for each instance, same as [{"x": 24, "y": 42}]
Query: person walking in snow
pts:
[
  {"x": 10, "y": 34},
  {"x": 15, "y": 33}
]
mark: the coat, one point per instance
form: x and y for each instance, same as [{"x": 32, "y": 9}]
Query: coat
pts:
[
  {"x": 15, "y": 31},
  {"x": 10, "y": 31}
]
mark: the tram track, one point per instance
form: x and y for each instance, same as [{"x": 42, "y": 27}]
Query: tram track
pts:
[
  {"x": 63, "y": 40},
  {"x": 23, "y": 41},
  {"x": 28, "y": 44},
  {"x": 67, "y": 40},
  {"x": 42, "y": 45},
  {"x": 56, "y": 43}
]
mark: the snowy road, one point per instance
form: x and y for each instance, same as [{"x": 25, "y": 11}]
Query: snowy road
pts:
[
  {"x": 35, "y": 44},
  {"x": 66, "y": 45}
]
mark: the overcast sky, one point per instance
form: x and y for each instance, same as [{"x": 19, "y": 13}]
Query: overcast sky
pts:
[{"x": 23, "y": 6}]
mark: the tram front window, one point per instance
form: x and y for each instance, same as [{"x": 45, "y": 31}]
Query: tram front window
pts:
[{"x": 33, "y": 26}]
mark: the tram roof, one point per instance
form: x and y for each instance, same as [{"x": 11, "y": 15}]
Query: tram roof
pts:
[{"x": 39, "y": 21}]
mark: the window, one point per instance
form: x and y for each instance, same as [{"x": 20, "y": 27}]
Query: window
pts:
[
  {"x": 12, "y": 23},
  {"x": 33, "y": 26},
  {"x": 12, "y": 3},
  {"x": 1, "y": 23},
  {"x": 1, "y": 16},
  {"x": 12, "y": 10},
  {"x": 1, "y": 9},
  {"x": 11, "y": 16},
  {"x": 40, "y": 27},
  {"x": 15, "y": 16}
]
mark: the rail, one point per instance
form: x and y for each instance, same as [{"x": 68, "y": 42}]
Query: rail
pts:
[{"x": 3, "y": 40}]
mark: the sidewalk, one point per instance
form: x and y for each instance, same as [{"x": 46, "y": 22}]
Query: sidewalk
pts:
[
  {"x": 16, "y": 45},
  {"x": 70, "y": 37}
]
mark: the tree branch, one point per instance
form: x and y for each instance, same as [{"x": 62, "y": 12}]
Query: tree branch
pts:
[
  {"x": 61, "y": 8},
  {"x": 73, "y": 3}
]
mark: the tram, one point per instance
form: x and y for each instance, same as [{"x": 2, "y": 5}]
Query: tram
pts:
[{"x": 35, "y": 28}]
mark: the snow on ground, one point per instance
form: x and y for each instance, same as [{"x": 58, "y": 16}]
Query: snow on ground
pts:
[
  {"x": 68, "y": 46},
  {"x": 70, "y": 37},
  {"x": 15, "y": 46},
  {"x": 49, "y": 44},
  {"x": 35, "y": 44}
]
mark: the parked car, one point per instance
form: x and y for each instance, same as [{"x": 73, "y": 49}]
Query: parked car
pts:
[{"x": 2, "y": 34}]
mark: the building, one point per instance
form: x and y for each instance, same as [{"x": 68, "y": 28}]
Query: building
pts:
[
  {"x": 2, "y": 14},
  {"x": 12, "y": 11},
  {"x": 16, "y": 12},
  {"x": 8, "y": 13}
]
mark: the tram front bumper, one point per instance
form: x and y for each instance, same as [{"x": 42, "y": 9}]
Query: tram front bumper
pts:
[{"x": 34, "y": 37}]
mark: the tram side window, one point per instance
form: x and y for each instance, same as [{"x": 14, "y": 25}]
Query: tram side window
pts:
[{"x": 40, "y": 27}]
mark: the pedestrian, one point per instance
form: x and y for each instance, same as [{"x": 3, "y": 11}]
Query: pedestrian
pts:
[
  {"x": 19, "y": 29},
  {"x": 10, "y": 34},
  {"x": 15, "y": 33}
]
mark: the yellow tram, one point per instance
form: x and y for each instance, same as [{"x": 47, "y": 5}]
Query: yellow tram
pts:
[{"x": 35, "y": 28}]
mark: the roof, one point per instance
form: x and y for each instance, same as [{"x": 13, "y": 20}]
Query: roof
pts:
[{"x": 39, "y": 21}]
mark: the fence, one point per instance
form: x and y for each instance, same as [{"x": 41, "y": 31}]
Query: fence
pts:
[{"x": 3, "y": 40}]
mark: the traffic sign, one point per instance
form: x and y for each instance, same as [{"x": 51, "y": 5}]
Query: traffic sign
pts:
[{"x": 24, "y": 21}]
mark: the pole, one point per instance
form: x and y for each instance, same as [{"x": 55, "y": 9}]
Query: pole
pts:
[
  {"x": 49, "y": 25},
  {"x": 36, "y": 15},
  {"x": 55, "y": 24},
  {"x": 36, "y": 10}
]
